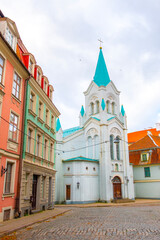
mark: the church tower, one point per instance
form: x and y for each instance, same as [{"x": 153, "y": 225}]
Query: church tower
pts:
[{"x": 101, "y": 139}]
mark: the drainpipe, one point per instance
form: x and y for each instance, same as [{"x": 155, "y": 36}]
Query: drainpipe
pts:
[{"x": 17, "y": 204}]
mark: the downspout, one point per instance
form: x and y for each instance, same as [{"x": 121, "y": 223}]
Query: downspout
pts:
[{"x": 17, "y": 205}]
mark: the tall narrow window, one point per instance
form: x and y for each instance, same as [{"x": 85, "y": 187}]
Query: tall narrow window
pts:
[
  {"x": 26, "y": 184},
  {"x": 51, "y": 151},
  {"x": 9, "y": 37},
  {"x": 90, "y": 147},
  {"x": 96, "y": 146},
  {"x": 47, "y": 115},
  {"x": 97, "y": 106},
  {"x": 8, "y": 178},
  {"x": 16, "y": 86},
  {"x": 40, "y": 110},
  {"x": 118, "y": 149},
  {"x": 108, "y": 106},
  {"x": 31, "y": 101},
  {"x": 29, "y": 140},
  {"x": 116, "y": 167},
  {"x": 113, "y": 108},
  {"x": 43, "y": 186},
  {"x": 111, "y": 147},
  {"x": 147, "y": 172},
  {"x": 30, "y": 66},
  {"x": 50, "y": 94},
  {"x": 1, "y": 68},
  {"x": 38, "y": 77},
  {"x": 92, "y": 108},
  {"x": 13, "y": 127},
  {"x": 38, "y": 145},
  {"x": 52, "y": 122},
  {"x": 45, "y": 149}
]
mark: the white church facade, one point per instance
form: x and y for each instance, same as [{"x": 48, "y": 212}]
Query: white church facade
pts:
[{"x": 92, "y": 160}]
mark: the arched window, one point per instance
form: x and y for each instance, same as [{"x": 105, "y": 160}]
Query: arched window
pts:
[
  {"x": 108, "y": 106},
  {"x": 90, "y": 148},
  {"x": 111, "y": 147},
  {"x": 116, "y": 167},
  {"x": 97, "y": 106},
  {"x": 96, "y": 146},
  {"x": 92, "y": 108},
  {"x": 118, "y": 148},
  {"x": 113, "y": 108}
]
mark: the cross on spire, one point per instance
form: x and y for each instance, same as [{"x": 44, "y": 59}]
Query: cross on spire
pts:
[{"x": 100, "y": 43}]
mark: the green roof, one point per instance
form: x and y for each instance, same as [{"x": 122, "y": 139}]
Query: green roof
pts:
[
  {"x": 70, "y": 131},
  {"x": 101, "y": 77},
  {"x": 80, "y": 158},
  {"x": 58, "y": 125}
]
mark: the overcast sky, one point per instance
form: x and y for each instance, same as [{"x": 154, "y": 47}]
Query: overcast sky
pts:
[{"x": 63, "y": 36}]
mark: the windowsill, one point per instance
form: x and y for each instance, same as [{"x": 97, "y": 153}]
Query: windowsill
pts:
[
  {"x": 1, "y": 85},
  {"x": 8, "y": 195},
  {"x": 26, "y": 199},
  {"x": 52, "y": 131},
  {"x": 16, "y": 98},
  {"x": 13, "y": 141},
  {"x": 46, "y": 125},
  {"x": 1, "y": 92},
  {"x": 32, "y": 113},
  {"x": 40, "y": 120}
]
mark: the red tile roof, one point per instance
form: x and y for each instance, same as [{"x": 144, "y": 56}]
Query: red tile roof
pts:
[
  {"x": 135, "y": 136},
  {"x": 146, "y": 142}
]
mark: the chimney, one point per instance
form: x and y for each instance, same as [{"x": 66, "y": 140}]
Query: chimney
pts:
[{"x": 157, "y": 126}]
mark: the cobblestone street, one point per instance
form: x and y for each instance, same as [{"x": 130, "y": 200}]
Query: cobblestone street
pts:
[{"x": 124, "y": 222}]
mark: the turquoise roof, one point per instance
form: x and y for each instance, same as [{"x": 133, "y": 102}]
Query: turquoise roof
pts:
[
  {"x": 58, "y": 125},
  {"x": 110, "y": 118},
  {"x": 122, "y": 110},
  {"x": 80, "y": 158},
  {"x": 101, "y": 77},
  {"x": 96, "y": 118},
  {"x": 70, "y": 131},
  {"x": 82, "y": 111},
  {"x": 103, "y": 104}
]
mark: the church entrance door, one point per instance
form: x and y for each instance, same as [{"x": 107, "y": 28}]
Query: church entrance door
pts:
[
  {"x": 68, "y": 192},
  {"x": 117, "y": 194}
]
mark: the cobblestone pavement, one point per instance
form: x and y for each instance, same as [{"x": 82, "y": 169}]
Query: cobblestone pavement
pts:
[{"x": 127, "y": 222}]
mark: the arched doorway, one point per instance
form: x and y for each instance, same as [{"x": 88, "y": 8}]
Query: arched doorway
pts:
[{"x": 117, "y": 194}]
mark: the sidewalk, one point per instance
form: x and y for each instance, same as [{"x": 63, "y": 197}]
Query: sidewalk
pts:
[{"x": 12, "y": 225}]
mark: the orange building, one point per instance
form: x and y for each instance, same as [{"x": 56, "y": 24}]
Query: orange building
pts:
[{"x": 13, "y": 75}]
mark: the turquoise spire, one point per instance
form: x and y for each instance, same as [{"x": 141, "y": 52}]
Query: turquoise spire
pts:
[
  {"x": 103, "y": 104},
  {"x": 82, "y": 111},
  {"x": 122, "y": 110},
  {"x": 58, "y": 125},
  {"x": 101, "y": 77}
]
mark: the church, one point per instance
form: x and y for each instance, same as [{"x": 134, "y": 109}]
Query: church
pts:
[{"x": 92, "y": 159}]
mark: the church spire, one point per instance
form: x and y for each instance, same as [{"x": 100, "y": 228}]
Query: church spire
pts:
[{"x": 101, "y": 77}]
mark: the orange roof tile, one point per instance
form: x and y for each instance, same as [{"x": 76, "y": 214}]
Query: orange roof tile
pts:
[
  {"x": 146, "y": 142},
  {"x": 135, "y": 136}
]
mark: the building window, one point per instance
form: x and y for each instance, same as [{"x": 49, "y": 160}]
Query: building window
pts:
[
  {"x": 90, "y": 147},
  {"x": 16, "y": 86},
  {"x": 47, "y": 116},
  {"x": 92, "y": 108},
  {"x": 26, "y": 184},
  {"x": 94, "y": 169},
  {"x": 147, "y": 172},
  {"x": 51, "y": 151},
  {"x": 97, "y": 106},
  {"x": 40, "y": 110},
  {"x": 113, "y": 108},
  {"x": 38, "y": 77},
  {"x": 50, "y": 95},
  {"x": 86, "y": 168},
  {"x": 9, "y": 37},
  {"x": 43, "y": 186},
  {"x": 32, "y": 101},
  {"x": 30, "y": 66},
  {"x": 111, "y": 147},
  {"x": 29, "y": 140},
  {"x": 38, "y": 144},
  {"x": 68, "y": 168},
  {"x": 1, "y": 68},
  {"x": 116, "y": 167},
  {"x": 45, "y": 149},
  {"x": 8, "y": 178},
  {"x": 52, "y": 121},
  {"x": 13, "y": 127},
  {"x": 144, "y": 157},
  {"x": 108, "y": 106},
  {"x": 118, "y": 149},
  {"x": 45, "y": 86}
]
